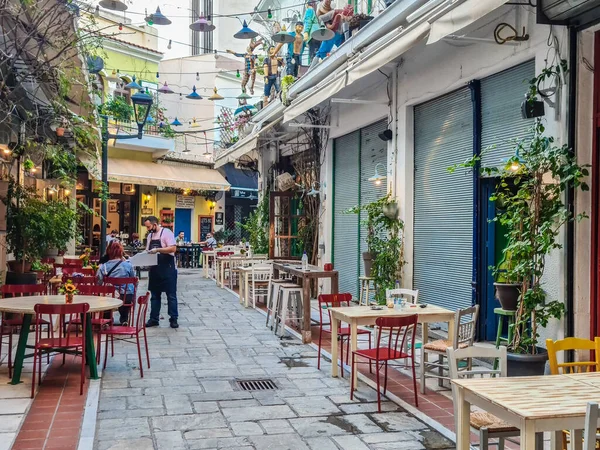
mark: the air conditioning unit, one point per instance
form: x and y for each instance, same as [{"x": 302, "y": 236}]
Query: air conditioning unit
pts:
[
  {"x": 284, "y": 182},
  {"x": 570, "y": 12}
]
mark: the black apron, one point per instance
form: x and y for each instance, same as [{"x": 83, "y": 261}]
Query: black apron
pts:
[{"x": 163, "y": 276}]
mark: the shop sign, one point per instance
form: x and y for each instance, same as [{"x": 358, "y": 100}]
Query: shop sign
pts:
[{"x": 185, "y": 201}]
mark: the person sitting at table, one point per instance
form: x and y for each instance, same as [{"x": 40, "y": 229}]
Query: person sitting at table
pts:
[
  {"x": 112, "y": 236},
  {"x": 210, "y": 241},
  {"x": 180, "y": 239},
  {"x": 118, "y": 267},
  {"x": 135, "y": 241}
]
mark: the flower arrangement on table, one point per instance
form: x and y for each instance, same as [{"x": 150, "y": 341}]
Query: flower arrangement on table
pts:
[
  {"x": 85, "y": 257},
  {"x": 94, "y": 267},
  {"x": 69, "y": 290}
]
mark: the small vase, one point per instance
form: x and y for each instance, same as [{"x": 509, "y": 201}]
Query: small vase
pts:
[{"x": 68, "y": 298}]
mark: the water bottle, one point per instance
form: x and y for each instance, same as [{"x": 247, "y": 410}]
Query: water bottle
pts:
[
  {"x": 249, "y": 251},
  {"x": 304, "y": 261}
]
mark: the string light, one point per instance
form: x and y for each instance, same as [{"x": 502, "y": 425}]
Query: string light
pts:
[
  {"x": 157, "y": 75},
  {"x": 269, "y": 14},
  {"x": 169, "y": 44},
  {"x": 120, "y": 27},
  {"x": 238, "y": 73},
  {"x": 197, "y": 76}
]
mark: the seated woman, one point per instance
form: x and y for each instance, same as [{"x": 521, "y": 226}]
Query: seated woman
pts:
[
  {"x": 135, "y": 241},
  {"x": 118, "y": 267}
]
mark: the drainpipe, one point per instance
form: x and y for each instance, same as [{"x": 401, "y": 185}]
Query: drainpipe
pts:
[{"x": 394, "y": 124}]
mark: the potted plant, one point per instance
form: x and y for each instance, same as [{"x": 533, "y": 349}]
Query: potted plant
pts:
[
  {"x": 531, "y": 190},
  {"x": 384, "y": 259},
  {"x": 222, "y": 236},
  {"x": 508, "y": 289},
  {"x": 256, "y": 226}
]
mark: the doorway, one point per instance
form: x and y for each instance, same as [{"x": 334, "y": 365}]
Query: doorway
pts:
[{"x": 183, "y": 222}]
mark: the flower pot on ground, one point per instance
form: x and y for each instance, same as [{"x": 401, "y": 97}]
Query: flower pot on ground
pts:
[
  {"x": 527, "y": 364},
  {"x": 508, "y": 295}
]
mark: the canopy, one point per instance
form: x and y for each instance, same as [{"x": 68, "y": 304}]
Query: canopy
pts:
[{"x": 165, "y": 175}]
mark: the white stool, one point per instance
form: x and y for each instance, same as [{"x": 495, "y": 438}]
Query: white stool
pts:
[
  {"x": 365, "y": 286},
  {"x": 283, "y": 306},
  {"x": 273, "y": 297}
]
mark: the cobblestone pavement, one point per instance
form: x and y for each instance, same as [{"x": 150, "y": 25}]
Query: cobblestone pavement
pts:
[{"x": 189, "y": 398}]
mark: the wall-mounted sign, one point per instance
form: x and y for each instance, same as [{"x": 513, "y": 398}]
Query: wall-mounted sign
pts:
[
  {"x": 219, "y": 218},
  {"x": 185, "y": 201},
  {"x": 147, "y": 211}
]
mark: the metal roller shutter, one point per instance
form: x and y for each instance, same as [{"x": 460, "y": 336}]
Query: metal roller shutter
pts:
[
  {"x": 443, "y": 202},
  {"x": 501, "y": 120},
  {"x": 346, "y": 167},
  {"x": 372, "y": 152}
]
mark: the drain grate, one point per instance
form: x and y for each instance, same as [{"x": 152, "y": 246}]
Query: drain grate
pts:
[{"x": 257, "y": 385}]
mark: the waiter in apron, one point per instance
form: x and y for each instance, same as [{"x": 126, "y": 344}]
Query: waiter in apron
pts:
[{"x": 163, "y": 277}]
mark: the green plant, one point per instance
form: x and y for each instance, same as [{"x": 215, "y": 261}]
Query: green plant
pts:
[
  {"x": 118, "y": 108},
  {"x": 223, "y": 236},
  {"x": 257, "y": 226},
  {"x": 384, "y": 242},
  {"x": 531, "y": 191},
  {"x": 286, "y": 82}
]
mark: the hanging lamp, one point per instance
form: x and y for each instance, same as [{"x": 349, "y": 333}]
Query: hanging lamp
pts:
[
  {"x": 165, "y": 89},
  {"x": 243, "y": 95},
  {"x": 216, "y": 95},
  {"x": 283, "y": 37},
  {"x": 194, "y": 95},
  {"x": 513, "y": 163},
  {"x": 322, "y": 34},
  {"x": 202, "y": 25},
  {"x": 378, "y": 178},
  {"x": 157, "y": 18},
  {"x": 176, "y": 122},
  {"x": 194, "y": 123},
  {"x": 245, "y": 32},
  {"x": 133, "y": 84},
  {"x": 114, "y": 5},
  {"x": 150, "y": 120}
]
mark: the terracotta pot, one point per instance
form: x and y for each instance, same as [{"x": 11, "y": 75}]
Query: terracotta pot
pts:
[
  {"x": 508, "y": 294},
  {"x": 60, "y": 131}
]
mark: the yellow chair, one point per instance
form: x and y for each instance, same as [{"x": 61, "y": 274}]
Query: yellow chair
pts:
[{"x": 557, "y": 368}]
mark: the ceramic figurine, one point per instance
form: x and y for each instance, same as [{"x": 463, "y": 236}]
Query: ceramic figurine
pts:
[
  {"x": 249, "y": 64},
  {"x": 271, "y": 66},
  {"x": 295, "y": 50}
]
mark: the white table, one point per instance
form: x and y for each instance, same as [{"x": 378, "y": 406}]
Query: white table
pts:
[
  {"x": 532, "y": 404},
  {"x": 206, "y": 256},
  {"x": 364, "y": 315}
]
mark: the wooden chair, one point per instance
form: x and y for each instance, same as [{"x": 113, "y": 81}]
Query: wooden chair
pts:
[
  {"x": 485, "y": 424},
  {"x": 64, "y": 342},
  {"x": 556, "y": 368},
  {"x": 590, "y": 434},
  {"x": 465, "y": 323},
  {"x": 400, "y": 335},
  {"x": 413, "y": 295},
  {"x": 259, "y": 283}
]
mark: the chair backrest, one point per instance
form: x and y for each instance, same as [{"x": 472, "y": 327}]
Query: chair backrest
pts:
[
  {"x": 327, "y": 301},
  {"x": 413, "y": 295},
  {"x": 67, "y": 312},
  {"x": 73, "y": 262},
  {"x": 69, "y": 270},
  {"x": 80, "y": 280},
  {"x": 465, "y": 322},
  {"x": 591, "y": 426},
  {"x": 20, "y": 290},
  {"x": 219, "y": 254},
  {"x": 123, "y": 284},
  {"x": 99, "y": 291},
  {"x": 140, "y": 318},
  {"x": 262, "y": 273},
  {"x": 399, "y": 332},
  {"x": 572, "y": 343}
]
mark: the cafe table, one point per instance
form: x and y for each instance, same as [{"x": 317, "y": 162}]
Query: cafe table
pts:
[
  {"x": 24, "y": 305},
  {"x": 355, "y": 316},
  {"x": 306, "y": 276},
  {"x": 206, "y": 257},
  {"x": 533, "y": 404}
]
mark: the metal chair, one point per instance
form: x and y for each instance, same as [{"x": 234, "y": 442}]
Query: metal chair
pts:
[
  {"x": 122, "y": 285},
  {"x": 465, "y": 322}
]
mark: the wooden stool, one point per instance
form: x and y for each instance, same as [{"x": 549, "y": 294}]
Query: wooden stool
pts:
[
  {"x": 364, "y": 290},
  {"x": 289, "y": 300},
  {"x": 511, "y": 321}
]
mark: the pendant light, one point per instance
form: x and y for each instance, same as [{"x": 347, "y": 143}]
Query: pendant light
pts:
[
  {"x": 377, "y": 178},
  {"x": 216, "y": 96},
  {"x": 165, "y": 89},
  {"x": 157, "y": 18},
  {"x": 322, "y": 34},
  {"x": 194, "y": 123},
  {"x": 176, "y": 122},
  {"x": 243, "y": 95},
  {"x": 114, "y": 5},
  {"x": 150, "y": 120},
  {"x": 283, "y": 37},
  {"x": 514, "y": 163},
  {"x": 245, "y": 32},
  {"x": 133, "y": 85},
  {"x": 202, "y": 25},
  {"x": 194, "y": 95}
]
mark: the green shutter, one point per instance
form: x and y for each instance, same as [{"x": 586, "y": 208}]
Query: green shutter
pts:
[{"x": 443, "y": 202}]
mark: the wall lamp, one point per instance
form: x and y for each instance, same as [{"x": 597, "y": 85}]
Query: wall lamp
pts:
[{"x": 378, "y": 178}]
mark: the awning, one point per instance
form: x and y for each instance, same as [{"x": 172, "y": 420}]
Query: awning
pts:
[
  {"x": 377, "y": 55},
  {"x": 461, "y": 17},
  {"x": 240, "y": 179},
  {"x": 165, "y": 175}
]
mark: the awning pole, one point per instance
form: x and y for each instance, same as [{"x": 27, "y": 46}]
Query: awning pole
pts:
[{"x": 104, "y": 200}]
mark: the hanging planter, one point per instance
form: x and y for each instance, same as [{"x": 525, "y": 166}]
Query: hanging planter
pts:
[{"x": 60, "y": 131}]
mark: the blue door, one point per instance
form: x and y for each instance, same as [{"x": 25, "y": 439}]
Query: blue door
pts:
[{"x": 183, "y": 222}]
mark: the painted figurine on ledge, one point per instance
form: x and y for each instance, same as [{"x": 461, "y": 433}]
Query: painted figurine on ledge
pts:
[
  {"x": 334, "y": 20},
  {"x": 249, "y": 64},
  {"x": 295, "y": 50},
  {"x": 271, "y": 66}
]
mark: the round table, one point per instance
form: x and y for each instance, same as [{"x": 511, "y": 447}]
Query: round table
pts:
[{"x": 24, "y": 305}]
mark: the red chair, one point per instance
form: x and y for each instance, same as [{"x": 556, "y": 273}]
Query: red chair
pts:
[
  {"x": 394, "y": 327},
  {"x": 48, "y": 260},
  {"x": 219, "y": 254},
  {"x": 327, "y": 301},
  {"x": 122, "y": 285},
  {"x": 77, "y": 281},
  {"x": 68, "y": 271},
  {"x": 8, "y": 326},
  {"x": 125, "y": 333},
  {"x": 63, "y": 343},
  {"x": 72, "y": 262}
]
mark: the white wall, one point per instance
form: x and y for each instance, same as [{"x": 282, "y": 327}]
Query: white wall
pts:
[{"x": 227, "y": 26}]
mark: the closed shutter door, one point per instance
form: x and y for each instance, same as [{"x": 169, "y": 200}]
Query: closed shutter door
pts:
[
  {"x": 501, "y": 120},
  {"x": 443, "y": 202},
  {"x": 345, "y": 196},
  {"x": 373, "y": 151}
]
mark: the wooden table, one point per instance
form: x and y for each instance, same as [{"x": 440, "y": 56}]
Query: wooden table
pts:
[
  {"x": 205, "y": 260},
  {"x": 24, "y": 305},
  {"x": 364, "y": 315},
  {"x": 532, "y": 404},
  {"x": 312, "y": 273}
]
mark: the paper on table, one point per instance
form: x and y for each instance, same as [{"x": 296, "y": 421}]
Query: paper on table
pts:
[{"x": 144, "y": 259}]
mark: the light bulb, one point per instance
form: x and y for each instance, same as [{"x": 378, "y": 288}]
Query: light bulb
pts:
[
  {"x": 7, "y": 151},
  {"x": 269, "y": 14},
  {"x": 238, "y": 73},
  {"x": 197, "y": 76},
  {"x": 169, "y": 45},
  {"x": 120, "y": 27},
  {"x": 67, "y": 191},
  {"x": 378, "y": 182},
  {"x": 515, "y": 166},
  {"x": 157, "y": 75}
]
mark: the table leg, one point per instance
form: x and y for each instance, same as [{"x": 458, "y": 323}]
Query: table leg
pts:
[
  {"x": 527, "y": 435},
  {"x": 335, "y": 324},
  {"x": 576, "y": 439},
  {"x": 353, "y": 348},
  {"x": 246, "y": 290},
  {"x": 21, "y": 348},
  {"x": 222, "y": 275},
  {"x": 463, "y": 429},
  {"x": 90, "y": 353},
  {"x": 425, "y": 338},
  {"x": 335, "y": 283},
  {"x": 556, "y": 440},
  {"x": 306, "y": 333}
]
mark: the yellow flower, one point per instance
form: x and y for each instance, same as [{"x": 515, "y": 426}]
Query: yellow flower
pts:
[
  {"x": 82, "y": 256},
  {"x": 70, "y": 288}
]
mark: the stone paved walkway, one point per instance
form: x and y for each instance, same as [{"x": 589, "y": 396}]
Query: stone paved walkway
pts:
[{"x": 189, "y": 398}]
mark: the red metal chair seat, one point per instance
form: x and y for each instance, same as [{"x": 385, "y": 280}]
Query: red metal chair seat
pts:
[
  {"x": 49, "y": 343},
  {"x": 383, "y": 354}
]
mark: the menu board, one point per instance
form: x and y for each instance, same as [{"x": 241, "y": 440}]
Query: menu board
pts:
[{"x": 206, "y": 226}]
